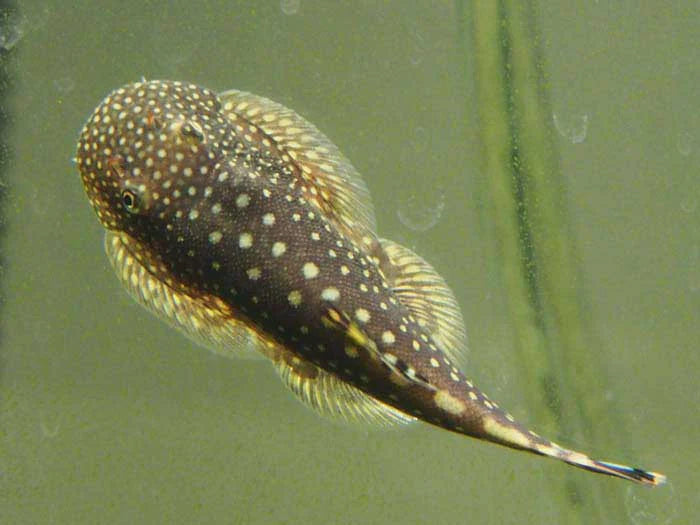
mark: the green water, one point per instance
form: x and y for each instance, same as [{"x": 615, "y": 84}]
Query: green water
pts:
[{"x": 109, "y": 416}]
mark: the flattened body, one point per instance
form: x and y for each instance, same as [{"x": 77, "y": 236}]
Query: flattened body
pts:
[{"x": 238, "y": 222}]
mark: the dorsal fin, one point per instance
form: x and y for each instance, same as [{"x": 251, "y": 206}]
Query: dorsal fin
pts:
[
  {"x": 332, "y": 398},
  {"x": 421, "y": 289},
  {"x": 207, "y": 322},
  {"x": 341, "y": 192}
]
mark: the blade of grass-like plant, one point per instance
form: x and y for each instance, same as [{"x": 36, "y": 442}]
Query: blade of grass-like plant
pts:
[{"x": 536, "y": 251}]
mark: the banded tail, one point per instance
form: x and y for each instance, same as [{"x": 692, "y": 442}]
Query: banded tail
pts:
[{"x": 502, "y": 430}]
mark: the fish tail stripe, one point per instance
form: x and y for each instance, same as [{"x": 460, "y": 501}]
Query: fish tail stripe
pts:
[
  {"x": 613, "y": 469},
  {"x": 512, "y": 434}
]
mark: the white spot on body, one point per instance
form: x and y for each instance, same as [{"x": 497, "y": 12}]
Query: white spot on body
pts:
[
  {"x": 268, "y": 219},
  {"x": 242, "y": 200},
  {"x": 294, "y": 298},
  {"x": 310, "y": 270},
  {"x": 254, "y": 274},
  {"x": 388, "y": 337},
  {"x": 245, "y": 240},
  {"x": 215, "y": 237},
  {"x": 447, "y": 402},
  {"x": 330, "y": 294},
  {"x": 278, "y": 249},
  {"x": 362, "y": 315}
]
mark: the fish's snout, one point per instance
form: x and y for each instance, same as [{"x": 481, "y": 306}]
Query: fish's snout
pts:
[{"x": 143, "y": 141}]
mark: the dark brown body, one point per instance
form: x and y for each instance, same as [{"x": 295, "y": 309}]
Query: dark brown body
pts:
[{"x": 233, "y": 217}]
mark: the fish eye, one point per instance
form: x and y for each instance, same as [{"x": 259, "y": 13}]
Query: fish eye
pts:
[
  {"x": 129, "y": 201},
  {"x": 135, "y": 198}
]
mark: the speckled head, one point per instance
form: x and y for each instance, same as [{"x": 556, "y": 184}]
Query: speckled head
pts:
[{"x": 144, "y": 141}]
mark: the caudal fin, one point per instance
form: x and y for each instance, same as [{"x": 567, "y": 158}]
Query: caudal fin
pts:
[
  {"x": 500, "y": 428},
  {"x": 652, "y": 479}
]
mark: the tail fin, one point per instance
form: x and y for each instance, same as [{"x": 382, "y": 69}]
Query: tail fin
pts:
[
  {"x": 577, "y": 459},
  {"x": 500, "y": 428}
]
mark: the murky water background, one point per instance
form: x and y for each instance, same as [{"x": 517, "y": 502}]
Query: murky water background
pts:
[{"x": 108, "y": 416}]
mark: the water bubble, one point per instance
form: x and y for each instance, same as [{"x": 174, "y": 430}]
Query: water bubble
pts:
[
  {"x": 64, "y": 84},
  {"x": 420, "y": 214},
  {"x": 694, "y": 283},
  {"x": 684, "y": 143},
  {"x": 290, "y": 7},
  {"x": 694, "y": 271},
  {"x": 419, "y": 141},
  {"x": 573, "y": 128},
  {"x": 49, "y": 431},
  {"x": 689, "y": 204},
  {"x": 418, "y": 48},
  {"x": 658, "y": 506}
]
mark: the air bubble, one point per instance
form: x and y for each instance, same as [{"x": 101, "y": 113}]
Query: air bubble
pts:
[
  {"x": 64, "y": 85},
  {"x": 419, "y": 214},
  {"x": 689, "y": 204},
  {"x": 694, "y": 270},
  {"x": 574, "y": 128},
  {"x": 49, "y": 431},
  {"x": 419, "y": 141},
  {"x": 684, "y": 143},
  {"x": 290, "y": 7},
  {"x": 418, "y": 48},
  {"x": 694, "y": 282},
  {"x": 657, "y": 506}
]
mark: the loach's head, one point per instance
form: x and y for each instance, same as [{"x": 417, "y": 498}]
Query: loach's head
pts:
[{"x": 143, "y": 150}]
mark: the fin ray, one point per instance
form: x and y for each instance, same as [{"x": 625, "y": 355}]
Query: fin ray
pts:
[
  {"x": 205, "y": 323},
  {"x": 333, "y": 398},
  {"x": 426, "y": 294},
  {"x": 339, "y": 189}
]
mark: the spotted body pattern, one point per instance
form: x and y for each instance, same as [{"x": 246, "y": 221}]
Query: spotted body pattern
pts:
[{"x": 238, "y": 222}]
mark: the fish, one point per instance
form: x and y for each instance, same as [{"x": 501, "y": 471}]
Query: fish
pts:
[{"x": 238, "y": 222}]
